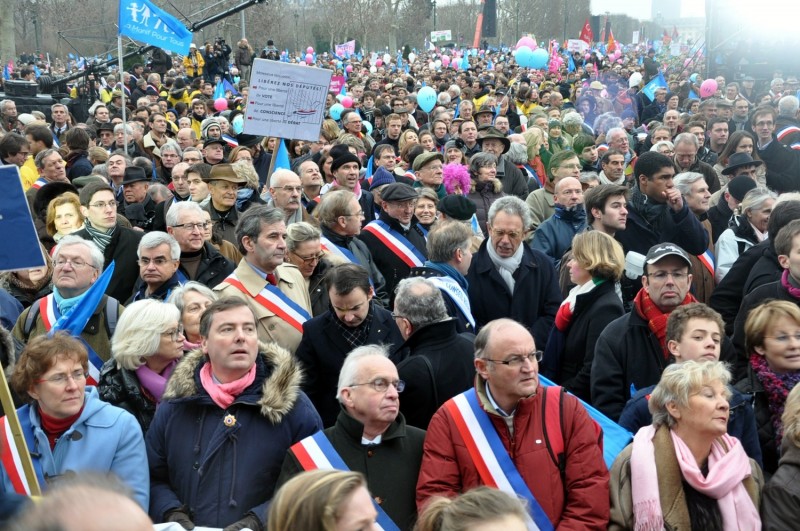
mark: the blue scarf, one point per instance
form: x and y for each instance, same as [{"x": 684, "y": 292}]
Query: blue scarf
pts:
[
  {"x": 65, "y": 305},
  {"x": 450, "y": 271},
  {"x": 242, "y": 196}
]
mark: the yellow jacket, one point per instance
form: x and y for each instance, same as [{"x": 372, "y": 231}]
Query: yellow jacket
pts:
[
  {"x": 188, "y": 64},
  {"x": 28, "y": 173}
]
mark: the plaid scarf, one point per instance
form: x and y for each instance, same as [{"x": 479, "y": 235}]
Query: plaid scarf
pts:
[
  {"x": 656, "y": 319},
  {"x": 355, "y": 336}
]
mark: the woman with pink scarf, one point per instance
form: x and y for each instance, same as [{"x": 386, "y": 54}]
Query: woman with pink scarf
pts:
[
  {"x": 684, "y": 471},
  {"x": 146, "y": 346}
]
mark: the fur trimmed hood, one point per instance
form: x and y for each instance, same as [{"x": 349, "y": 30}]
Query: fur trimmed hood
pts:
[
  {"x": 8, "y": 351},
  {"x": 496, "y": 188},
  {"x": 280, "y": 385}
]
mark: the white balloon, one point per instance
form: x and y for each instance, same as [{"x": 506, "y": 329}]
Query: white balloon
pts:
[
  {"x": 412, "y": 57},
  {"x": 431, "y": 65},
  {"x": 373, "y": 69},
  {"x": 387, "y": 58},
  {"x": 438, "y": 63}
]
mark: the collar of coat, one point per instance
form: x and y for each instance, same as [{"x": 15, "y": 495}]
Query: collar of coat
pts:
[{"x": 279, "y": 390}]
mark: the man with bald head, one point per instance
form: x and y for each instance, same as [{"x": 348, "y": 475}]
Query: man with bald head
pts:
[
  {"x": 507, "y": 394},
  {"x": 286, "y": 189},
  {"x": 554, "y": 235},
  {"x": 311, "y": 179},
  {"x": 186, "y": 137},
  {"x": 180, "y": 192}
]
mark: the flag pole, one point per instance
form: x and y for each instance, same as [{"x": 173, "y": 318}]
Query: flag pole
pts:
[
  {"x": 124, "y": 105},
  {"x": 18, "y": 438}
]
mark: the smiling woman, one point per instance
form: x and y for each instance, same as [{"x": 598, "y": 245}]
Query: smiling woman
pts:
[{"x": 684, "y": 471}]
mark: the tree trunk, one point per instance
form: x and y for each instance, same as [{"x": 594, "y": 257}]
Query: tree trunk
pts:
[{"x": 8, "y": 49}]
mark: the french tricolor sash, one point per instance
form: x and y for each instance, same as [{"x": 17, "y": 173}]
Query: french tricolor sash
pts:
[
  {"x": 9, "y": 456},
  {"x": 316, "y": 452},
  {"x": 48, "y": 310},
  {"x": 707, "y": 259},
  {"x": 38, "y": 183},
  {"x": 792, "y": 129},
  {"x": 457, "y": 295},
  {"x": 232, "y": 142},
  {"x": 275, "y": 301},
  {"x": 396, "y": 242},
  {"x": 494, "y": 465},
  {"x": 342, "y": 252}
]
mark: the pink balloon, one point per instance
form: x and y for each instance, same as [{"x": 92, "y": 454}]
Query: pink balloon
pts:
[
  {"x": 309, "y": 58},
  {"x": 445, "y": 60},
  {"x": 347, "y": 102},
  {"x": 587, "y": 56},
  {"x": 348, "y": 68},
  {"x": 378, "y": 62},
  {"x": 708, "y": 88},
  {"x": 527, "y": 41},
  {"x": 221, "y": 104},
  {"x": 310, "y": 49}
]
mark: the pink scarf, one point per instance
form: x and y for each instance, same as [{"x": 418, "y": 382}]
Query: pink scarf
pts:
[
  {"x": 726, "y": 471},
  {"x": 223, "y": 394}
]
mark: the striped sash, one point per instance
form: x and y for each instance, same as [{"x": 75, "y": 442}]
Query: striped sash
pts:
[
  {"x": 275, "y": 301},
  {"x": 396, "y": 242},
  {"x": 9, "y": 456},
  {"x": 342, "y": 252},
  {"x": 708, "y": 260},
  {"x": 48, "y": 310}
]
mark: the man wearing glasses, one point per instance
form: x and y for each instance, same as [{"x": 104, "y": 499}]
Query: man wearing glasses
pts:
[
  {"x": 507, "y": 278},
  {"x": 159, "y": 258},
  {"x": 277, "y": 291},
  {"x": 370, "y": 436},
  {"x": 199, "y": 259},
  {"x": 77, "y": 264},
  {"x": 493, "y": 435},
  {"x": 117, "y": 243},
  {"x": 286, "y": 191}
]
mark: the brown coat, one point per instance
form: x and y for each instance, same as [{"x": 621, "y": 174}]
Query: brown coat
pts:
[
  {"x": 670, "y": 486},
  {"x": 703, "y": 282}
]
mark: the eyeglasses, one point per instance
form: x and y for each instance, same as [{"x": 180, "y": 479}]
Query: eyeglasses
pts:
[
  {"x": 359, "y": 214},
  {"x": 661, "y": 276},
  {"x": 784, "y": 338},
  {"x": 500, "y": 234},
  {"x": 398, "y": 316},
  {"x": 103, "y": 204},
  {"x": 62, "y": 379},
  {"x": 192, "y": 226},
  {"x": 290, "y": 189},
  {"x": 570, "y": 166},
  {"x": 178, "y": 178},
  {"x": 517, "y": 361},
  {"x": 382, "y": 384},
  {"x": 309, "y": 259},
  {"x": 76, "y": 263},
  {"x": 174, "y": 334},
  {"x": 160, "y": 261}
]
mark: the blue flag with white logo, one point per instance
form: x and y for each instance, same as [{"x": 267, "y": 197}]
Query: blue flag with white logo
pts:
[
  {"x": 649, "y": 90},
  {"x": 143, "y": 21}
]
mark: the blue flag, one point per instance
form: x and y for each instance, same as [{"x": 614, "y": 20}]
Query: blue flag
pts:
[
  {"x": 693, "y": 95},
  {"x": 75, "y": 320},
  {"x": 227, "y": 85},
  {"x": 143, "y": 21},
  {"x": 571, "y": 64},
  {"x": 219, "y": 91},
  {"x": 370, "y": 167},
  {"x": 615, "y": 437},
  {"x": 649, "y": 90},
  {"x": 464, "y": 62},
  {"x": 282, "y": 156}
]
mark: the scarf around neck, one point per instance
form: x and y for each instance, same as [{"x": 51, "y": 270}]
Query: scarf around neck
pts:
[
  {"x": 565, "y": 311},
  {"x": 728, "y": 466},
  {"x": 223, "y": 394},
  {"x": 65, "y": 305},
  {"x": 450, "y": 271},
  {"x": 656, "y": 319},
  {"x": 776, "y": 388},
  {"x": 787, "y": 283},
  {"x": 101, "y": 237},
  {"x": 154, "y": 382},
  {"x": 650, "y": 211},
  {"x": 505, "y": 266}
]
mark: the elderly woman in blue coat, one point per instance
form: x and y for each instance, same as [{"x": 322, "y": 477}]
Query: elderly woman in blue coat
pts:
[{"x": 67, "y": 427}]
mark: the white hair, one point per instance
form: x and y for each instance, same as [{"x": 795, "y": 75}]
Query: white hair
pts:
[{"x": 349, "y": 371}]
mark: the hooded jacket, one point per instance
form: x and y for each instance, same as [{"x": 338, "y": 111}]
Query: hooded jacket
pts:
[
  {"x": 554, "y": 236},
  {"x": 218, "y": 473}
]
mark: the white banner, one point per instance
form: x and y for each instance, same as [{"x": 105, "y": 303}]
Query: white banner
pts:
[
  {"x": 577, "y": 45},
  {"x": 441, "y": 35}
]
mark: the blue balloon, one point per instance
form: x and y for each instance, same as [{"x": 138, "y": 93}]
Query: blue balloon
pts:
[
  {"x": 539, "y": 58},
  {"x": 336, "y": 111},
  {"x": 426, "y": 99},
  {"x": 367, "y": 125},
  {"x": 524, "y": 57}
]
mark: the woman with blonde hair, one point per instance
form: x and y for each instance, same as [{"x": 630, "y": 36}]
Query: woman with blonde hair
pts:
[
  {"x": 407, "y": 137},
  {"x": 323, "y": 500},
  {"x": 746, "y": 229},
  {"x": 538, "y": 156},
  {"x": 595, "y": 267},
  {"x": 247, "y": 195},
  {"x": 684, "y": 471},
  {"x": 478, "y": 509},
  {"x": 304, "y": 249},
  {"x": 64, "y": 216}
]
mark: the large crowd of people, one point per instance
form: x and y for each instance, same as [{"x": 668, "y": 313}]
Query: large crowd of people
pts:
[{"x": 360, "y": 340}]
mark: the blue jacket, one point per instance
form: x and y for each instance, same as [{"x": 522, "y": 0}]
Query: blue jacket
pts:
[
  {"x": 217, "y": 473},
  {"x": 105, "y": 438},
  {"x": 741, "y": 422},
  {"x": 554, "y": 236}
]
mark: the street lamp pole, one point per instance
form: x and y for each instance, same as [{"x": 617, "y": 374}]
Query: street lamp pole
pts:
[
  {"x": 434, "y": 14},
  {"x": 296, "y": 33}
]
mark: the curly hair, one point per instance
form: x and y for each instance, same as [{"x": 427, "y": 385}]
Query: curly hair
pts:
[{"x": 454, "y": 175}]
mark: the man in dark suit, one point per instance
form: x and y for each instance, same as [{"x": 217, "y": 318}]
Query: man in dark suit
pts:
[{"x": 352, "y": 321}]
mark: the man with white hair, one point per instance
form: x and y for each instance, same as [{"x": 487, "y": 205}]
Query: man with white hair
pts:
[
  {"x": 286, "y": 191},
  {"x": 370, "y": 436},
  {"x": 159, "y": 257},
  {"x": 617, "y": 138},
  {"x": 686, "y": 160},
  {"x": 787, "y": 124}
]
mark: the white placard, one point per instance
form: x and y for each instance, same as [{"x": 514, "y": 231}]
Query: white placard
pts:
[{"x": 286, "y": 100}]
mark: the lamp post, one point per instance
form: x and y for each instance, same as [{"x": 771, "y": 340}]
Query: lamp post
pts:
[
  {"x": 296, "y": 33},
  {"x": 35, "y": 22},
  {"x": 433, "y": 3}
]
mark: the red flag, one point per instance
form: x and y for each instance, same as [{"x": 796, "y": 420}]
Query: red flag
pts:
[
  {"x": 587, "y": 35},
  {"x": 612, "y": 44}
]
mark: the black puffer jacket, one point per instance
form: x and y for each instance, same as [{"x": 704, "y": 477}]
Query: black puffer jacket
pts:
[
  {"x": 213, "y": 268},
  {"x": 121, "y": 388},
  {"x": 766, "y": 432},
  {"x": 121, "y": 250}
]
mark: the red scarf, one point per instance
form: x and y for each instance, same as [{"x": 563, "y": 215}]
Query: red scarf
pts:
[
  {"x": 54, "y": 427},
  {"x": 656, "y": 319},
  {"x": 223, "y": 394}
]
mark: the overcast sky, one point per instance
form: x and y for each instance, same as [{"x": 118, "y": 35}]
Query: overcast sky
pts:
[{"x": 641, "y": 8}]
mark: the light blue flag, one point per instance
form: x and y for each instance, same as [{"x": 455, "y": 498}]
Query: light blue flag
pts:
[
  {"x": 464, "y": 61},
  {"x": 693, "y": 95},
  {"x": 219, "y": 91},
  {"x": 649, "y": 90},
  {"x": 143, "y": 21},
  {"x": 370, "y": 167},
  {"x": 75, "y": 320},
  {"x": 571, "y": 64},
  {"x": 282, "y": 156}
]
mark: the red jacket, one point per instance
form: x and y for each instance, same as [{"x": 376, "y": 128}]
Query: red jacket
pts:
[{"x": 448, "y": 470}]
